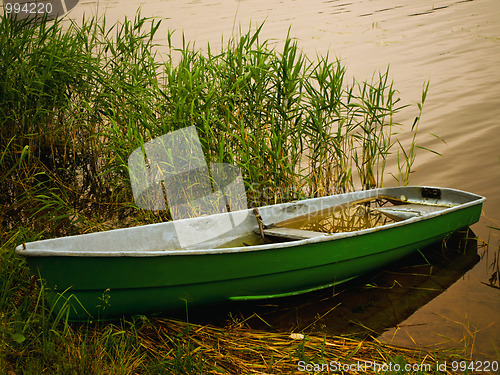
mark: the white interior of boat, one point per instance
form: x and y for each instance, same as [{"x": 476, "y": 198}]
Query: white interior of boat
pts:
[{"x": 210, "y": 233}]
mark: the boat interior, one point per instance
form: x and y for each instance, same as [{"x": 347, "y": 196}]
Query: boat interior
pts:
[
  {"x": 294, "y": 221},
  {"x": 350, "y": 217}
]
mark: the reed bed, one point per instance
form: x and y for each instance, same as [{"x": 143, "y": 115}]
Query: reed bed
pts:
[{"x": 75, "y": 101}]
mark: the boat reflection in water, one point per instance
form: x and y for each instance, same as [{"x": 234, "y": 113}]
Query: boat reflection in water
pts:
[{"x": 367, "y": 306}]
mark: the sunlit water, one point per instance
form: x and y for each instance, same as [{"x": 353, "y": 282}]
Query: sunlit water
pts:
[{"x": 453, "y": 44}]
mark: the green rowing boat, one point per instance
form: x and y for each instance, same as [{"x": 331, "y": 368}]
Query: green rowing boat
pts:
[{"x": 276, "y": 251}]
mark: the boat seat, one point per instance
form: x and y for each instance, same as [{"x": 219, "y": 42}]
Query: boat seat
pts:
[
  {"x": 291, "y": 233},
  {"x": 407, "y": 211}
]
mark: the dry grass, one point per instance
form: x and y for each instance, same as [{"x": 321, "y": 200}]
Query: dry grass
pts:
[{"x": 237, "y": 350}]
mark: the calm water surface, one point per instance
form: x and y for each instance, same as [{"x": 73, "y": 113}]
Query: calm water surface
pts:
[{"x": 455, "y": 45}]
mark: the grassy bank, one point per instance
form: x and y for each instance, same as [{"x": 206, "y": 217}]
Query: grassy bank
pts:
[{"x": 76, "y": 100}]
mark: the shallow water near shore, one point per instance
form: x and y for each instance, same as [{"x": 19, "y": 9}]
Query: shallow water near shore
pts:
[{"x": 453, "y": 44}]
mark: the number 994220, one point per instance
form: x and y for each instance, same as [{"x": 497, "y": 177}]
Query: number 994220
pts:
[
  {"x": 28, "y": 8},
  {"x": 38, "y": 9}
]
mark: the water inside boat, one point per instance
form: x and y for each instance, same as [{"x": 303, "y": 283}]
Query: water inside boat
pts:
[
  {"x": 346, "y": 218},
  {"x": 338, "y": 219}
]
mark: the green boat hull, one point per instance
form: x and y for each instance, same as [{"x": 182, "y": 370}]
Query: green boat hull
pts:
[{"x": 104, "y": 287}]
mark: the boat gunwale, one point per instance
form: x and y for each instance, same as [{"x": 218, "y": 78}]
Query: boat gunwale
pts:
[{"x": 475, "y": 200}]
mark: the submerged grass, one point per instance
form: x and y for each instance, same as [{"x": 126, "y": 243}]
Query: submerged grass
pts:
[
  {"x": 76, "y": 100},
  {"x": 494, "y": 266}
]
